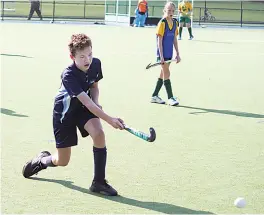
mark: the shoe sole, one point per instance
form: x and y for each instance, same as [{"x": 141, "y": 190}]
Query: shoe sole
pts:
[
  {"x": 174, "y": 104},
  {"x": 46, "y": 153},
  {"x": 102, "y": 192},
  {"x": 158, "y": 103}
]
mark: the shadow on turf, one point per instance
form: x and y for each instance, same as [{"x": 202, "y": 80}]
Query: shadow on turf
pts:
[
  {"x": 15, "y": 55},
  {"x": 212, "y": 41},
  {"x": 11, "y": 113},
  {"x": 154, "y": 206},
  {"x": 227, "y": 112}
]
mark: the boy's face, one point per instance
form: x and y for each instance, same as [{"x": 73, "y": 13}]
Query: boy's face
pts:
[
  {"x": 83, "y": 58},
  {"x": 169, "y": 11}
]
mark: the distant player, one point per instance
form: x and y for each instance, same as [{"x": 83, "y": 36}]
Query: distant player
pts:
[
  {"x": 166, "y": 40},
  {"x": 34, "y": 6},
  {"x": 141, "y": 13},
  {"x": 77, "y": 106},
  {"x": 185, "y": 11}
]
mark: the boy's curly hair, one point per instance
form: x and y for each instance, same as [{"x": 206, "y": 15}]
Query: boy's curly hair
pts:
[{"x": 79, "y": 42}]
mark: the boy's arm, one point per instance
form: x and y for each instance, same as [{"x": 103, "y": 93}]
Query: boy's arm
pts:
[
  {"x": 72, "y": 87},
  {"x": 94, "y": 89},
  {"x": 91, "y": 106},
  {"x": 95, "y": 93}
]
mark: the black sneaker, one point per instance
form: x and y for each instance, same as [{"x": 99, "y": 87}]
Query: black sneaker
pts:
[
  {"x": 103, "y": 188},
  {"x": 34, "y": 166}
]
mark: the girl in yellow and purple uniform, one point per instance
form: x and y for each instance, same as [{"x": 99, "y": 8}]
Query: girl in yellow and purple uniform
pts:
[{"x": 166, "y": 39}]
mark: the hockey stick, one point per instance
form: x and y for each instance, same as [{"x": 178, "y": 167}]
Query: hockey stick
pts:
[
  {"x": 147, "y": 137},
  {"x": 150, "y": 65}
]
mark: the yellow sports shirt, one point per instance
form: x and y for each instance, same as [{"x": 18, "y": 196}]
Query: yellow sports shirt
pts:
[
  {"x": 185, "y": 7},
  {"x": 161, "y": 28}
]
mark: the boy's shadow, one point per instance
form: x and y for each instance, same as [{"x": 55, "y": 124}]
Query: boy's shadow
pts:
[
  {"x": 11, "y": 113},
  {"x": 154, "y": 206}
]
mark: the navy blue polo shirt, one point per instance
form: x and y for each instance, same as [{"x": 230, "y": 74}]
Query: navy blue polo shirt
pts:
[{"x": 74, "y": 82}]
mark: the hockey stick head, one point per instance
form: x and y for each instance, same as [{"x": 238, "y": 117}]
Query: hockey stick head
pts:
[
  {"x": 152, "y": 136},
  {"x": 147, "y": 137},
  {"x": 148, "y": 66}
]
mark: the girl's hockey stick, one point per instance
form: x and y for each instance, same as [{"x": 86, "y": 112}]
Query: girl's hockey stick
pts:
[{"x": 150, "y": 65}]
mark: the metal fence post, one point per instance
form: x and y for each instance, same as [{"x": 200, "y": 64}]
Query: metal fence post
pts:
[
  {"x": 3, "y": 11},
  {"x": 241, "y": 13},
  {"x": 84, "y": 9},
  {"x": 200, "y": 15},
  {"x": 204, "y": 9},
  {"x": 53, "y": 13}
]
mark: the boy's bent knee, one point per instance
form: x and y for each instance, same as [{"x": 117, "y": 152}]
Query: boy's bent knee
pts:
[
  {"x": 99, "y": 138},
  {"x": 95, "y": 129},
  {"x": 99, "y": 133}
]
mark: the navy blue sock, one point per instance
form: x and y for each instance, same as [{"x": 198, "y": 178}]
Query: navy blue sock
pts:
[
  {"x": 47, "y": 161},
  {"x": 100, "y": 155}
]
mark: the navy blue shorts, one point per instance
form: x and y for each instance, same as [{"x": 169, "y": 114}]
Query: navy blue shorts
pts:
[
  {"x": 66, "y": 132},
  {"x": 165, "y": 59}
]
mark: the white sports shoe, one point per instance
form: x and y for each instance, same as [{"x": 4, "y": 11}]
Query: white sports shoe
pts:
[
  {"x": 156, "y": 99},
  {"x": 173, "y": 101}
]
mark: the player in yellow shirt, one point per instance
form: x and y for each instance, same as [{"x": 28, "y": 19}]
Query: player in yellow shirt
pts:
[{"x": 185, "y": 11}]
